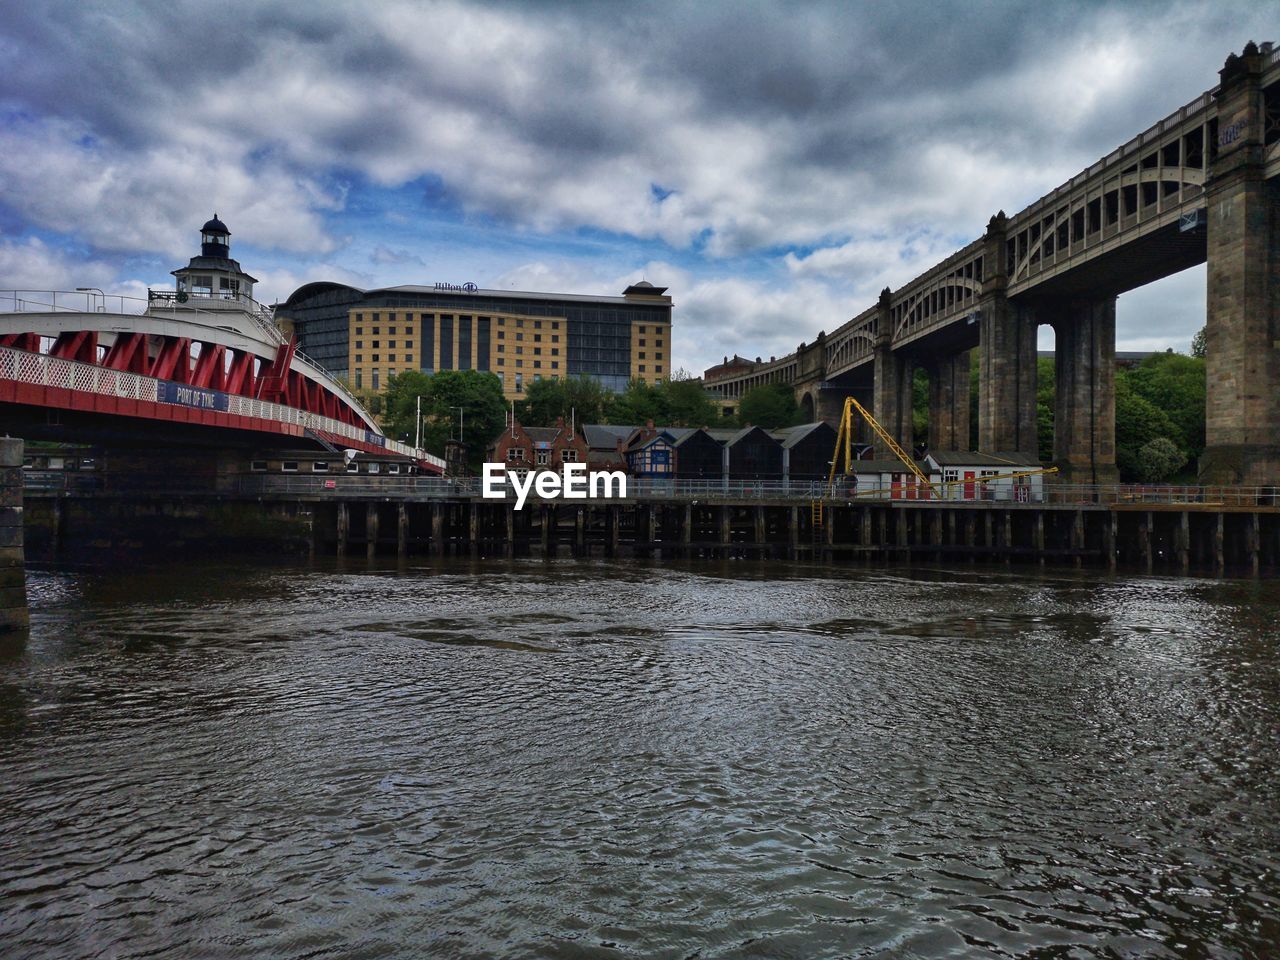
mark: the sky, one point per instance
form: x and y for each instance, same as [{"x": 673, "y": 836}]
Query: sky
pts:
[{"x": 775, "y": 165}]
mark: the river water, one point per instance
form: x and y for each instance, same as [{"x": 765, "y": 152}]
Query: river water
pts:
[{"x": 564, "y": 759}]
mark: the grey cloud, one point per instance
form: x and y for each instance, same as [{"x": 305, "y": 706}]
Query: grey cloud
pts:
[
  {"x": 801, "y": 101},
  {"x": 383, "y": 256},
  {"x": 836, "y": 127}
]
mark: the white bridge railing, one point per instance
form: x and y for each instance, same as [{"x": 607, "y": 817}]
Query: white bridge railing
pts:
[{"x": 43, "y": 370}]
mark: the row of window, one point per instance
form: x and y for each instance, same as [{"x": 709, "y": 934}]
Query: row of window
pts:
[
  {"x": 542, "y": 457},
  {"x": 519, "y": 364},
  {"x": 391, "y": 358},
  {"x": 390, "y": 344},
  {"x": 537, "y": 337},
  {"x": 448, "y": 317},
  {"x": 322, "y": 466},
  {"x": 537, "y": 351},
  {"x": 377, "y": 331}
]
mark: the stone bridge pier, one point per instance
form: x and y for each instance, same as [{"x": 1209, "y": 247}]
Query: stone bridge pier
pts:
[
  {"x": 1084, "y": 418},
  {"x": 894, "y": 372},
  {"x": 1006, "y": 376},
  {"x": 1084, "y": 447},
  {"x": 948, "y": 400},
  {"x": 1242, "y": 333}
]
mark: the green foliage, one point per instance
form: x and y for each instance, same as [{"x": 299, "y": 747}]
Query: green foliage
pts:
[
  {"x": 920, "y": 406},
  {"x": 671, "y": 403},
  {"x": 1138, "y": 422},
  {"x": 580, "y": 398},
  {"x": 1046, "y": 382},
  {"x": 638, "y": 403},
  {"x": 478, "y": 394},
  {"x": 1198, "y": 344},
  {"x": 687, "y": 403},
  {"x": 1176, "y": 384},
  {"x": 771, "y": 405},
  {"x": 1158, "y": 460}
]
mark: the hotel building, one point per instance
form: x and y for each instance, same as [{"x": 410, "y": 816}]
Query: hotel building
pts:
[{"x": 368, "y": 336}]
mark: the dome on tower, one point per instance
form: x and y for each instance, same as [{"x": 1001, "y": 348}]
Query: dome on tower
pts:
[{"x": 215, "y": 226}]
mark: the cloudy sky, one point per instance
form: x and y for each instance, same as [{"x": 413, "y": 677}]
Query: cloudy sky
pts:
[{"x": 774, "y": 164}]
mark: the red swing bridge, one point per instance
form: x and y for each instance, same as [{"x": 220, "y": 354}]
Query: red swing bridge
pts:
[{"x": 203, "y": 365}]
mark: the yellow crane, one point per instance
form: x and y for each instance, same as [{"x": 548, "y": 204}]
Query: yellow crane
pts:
[{"x": 844, "y": 444}]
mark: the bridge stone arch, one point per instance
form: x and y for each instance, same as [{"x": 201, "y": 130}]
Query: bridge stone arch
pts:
[{"x": 808, "y": 404}]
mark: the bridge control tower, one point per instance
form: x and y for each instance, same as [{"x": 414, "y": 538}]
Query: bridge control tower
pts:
[{"x": 214, "y": 274}]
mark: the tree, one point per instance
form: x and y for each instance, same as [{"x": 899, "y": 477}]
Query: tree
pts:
[
  {"x": 1176, "y": 384},
  {"x": 771, "y": 405},
  {"x": 399, "y": 401},
  {"x": 1198, "y": 344},
  {"x": 1046, "y": 397},
  {"x": 920, "y": 407},
  {"x": 672, "y": 403},
  {"x": 1158, "y": 460},
  {"x": 1138, "y": 422},
  {"x": 687, "y": 402},
  {"x": 638, "y": 403},
  {"x": 479, "y": 395},
  {"x": 581, "y": 398}
]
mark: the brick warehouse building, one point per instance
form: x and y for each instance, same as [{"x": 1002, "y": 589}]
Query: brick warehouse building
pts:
[{"x": 367, "y": 336}]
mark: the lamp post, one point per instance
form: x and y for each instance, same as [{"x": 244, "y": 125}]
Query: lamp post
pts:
[
  {"x": 97, "y": 290},
  {"x": 417, "y": 426}
]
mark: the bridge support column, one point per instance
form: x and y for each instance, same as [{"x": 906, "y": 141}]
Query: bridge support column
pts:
[
  {"x": 1242, "y": 334},
  {"x": 949, "y": 402},
  {"x": 1007, "y": 378},
  {"x": 13, "y": 579},
  {"x": 1084, "y": 422},
  {"x": 891, "y": 402},
  {"x": 891, "y": 391},
  {"x": 402, "y": 529}
]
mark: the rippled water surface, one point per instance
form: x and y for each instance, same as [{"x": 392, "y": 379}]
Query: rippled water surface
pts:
[{"x": 607, "y": 760}]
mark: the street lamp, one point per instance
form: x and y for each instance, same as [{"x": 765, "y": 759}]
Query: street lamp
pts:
[
  {"x": 417, "y": 426},
  {"x": 99, "y": 292}
]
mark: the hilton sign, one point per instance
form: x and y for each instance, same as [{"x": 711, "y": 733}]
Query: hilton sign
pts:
[{"x": 457, "y": 287}]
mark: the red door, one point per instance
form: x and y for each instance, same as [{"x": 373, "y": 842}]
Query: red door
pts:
[{"x": 968, "y": 484}]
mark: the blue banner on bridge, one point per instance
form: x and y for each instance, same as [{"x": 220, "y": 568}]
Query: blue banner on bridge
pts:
[{"x": 188, "y": 396}]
